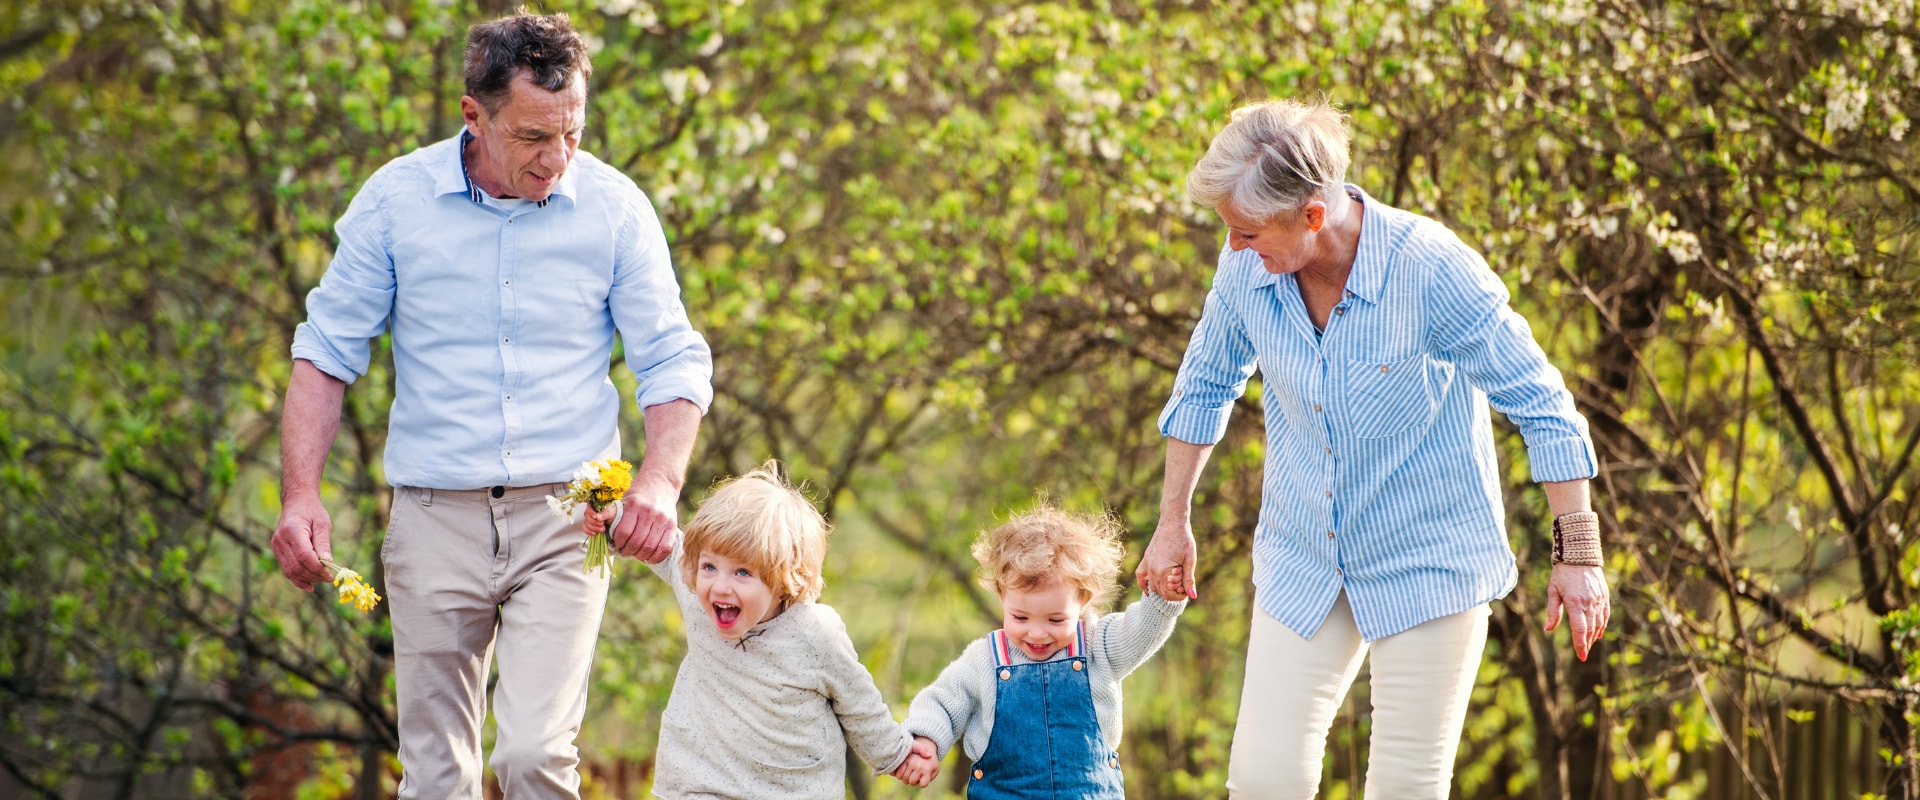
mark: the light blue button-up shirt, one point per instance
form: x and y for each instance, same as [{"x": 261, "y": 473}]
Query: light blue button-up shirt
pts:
[
  {"x": 503, "y": 321},
  {"x": 1380, "y": 471}
]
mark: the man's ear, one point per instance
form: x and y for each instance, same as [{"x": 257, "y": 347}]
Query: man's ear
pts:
[{"x": 471, "y": 111}]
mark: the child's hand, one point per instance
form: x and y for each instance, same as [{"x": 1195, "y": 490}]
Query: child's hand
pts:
[
  {"x": 922, "y": 765},
  {"x": 597, "y": 521}
]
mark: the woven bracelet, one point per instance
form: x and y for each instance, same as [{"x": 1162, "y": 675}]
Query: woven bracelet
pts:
[{"x": 1576, "y": 539}]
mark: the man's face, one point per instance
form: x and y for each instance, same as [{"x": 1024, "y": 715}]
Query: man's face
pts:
[{"x": 524, "y": 146}]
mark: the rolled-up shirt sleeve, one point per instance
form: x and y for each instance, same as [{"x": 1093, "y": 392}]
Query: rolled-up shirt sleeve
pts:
[
  {"x": 1220, "y": 359},
  {"x": 354, "y": 300},
  {"x": 670, "y": 358},
  {"x": 1476, "y": 329}
]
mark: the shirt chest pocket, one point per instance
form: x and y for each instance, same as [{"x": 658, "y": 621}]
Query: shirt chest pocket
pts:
[{"x": 1387, "y": 398}]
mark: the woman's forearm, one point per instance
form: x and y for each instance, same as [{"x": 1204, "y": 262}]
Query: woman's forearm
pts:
[
  {"x": 1566, "y": 497},
  {"x": 1184, "y": 462}
]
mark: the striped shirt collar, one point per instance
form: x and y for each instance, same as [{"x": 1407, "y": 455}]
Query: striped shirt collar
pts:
[
  {"x": 445, "y": 184},
  {"x": 1369, "y": 273}
]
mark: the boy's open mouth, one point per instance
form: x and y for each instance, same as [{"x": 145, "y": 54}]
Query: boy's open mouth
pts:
[{"x": 725, "y": 615}]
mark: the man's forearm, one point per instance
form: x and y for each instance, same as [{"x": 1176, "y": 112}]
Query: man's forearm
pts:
[
  {"x": 1184, "y": 462},
  {"x": 672, "y": 428},
  {"x": 308, "y": 422}
]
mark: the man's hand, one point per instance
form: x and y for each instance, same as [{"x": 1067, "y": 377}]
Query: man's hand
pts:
[
  {"x": 922, "y": 764},
  {"x": 650, "y": 521},
  {"x": 302, "y": 539},
  {"x": 1166, "y": 568},
  {"x": 1582, "y": 593}
]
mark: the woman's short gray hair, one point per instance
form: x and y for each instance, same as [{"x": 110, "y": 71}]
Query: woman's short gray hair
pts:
[{"x": 1273, "y": 156}]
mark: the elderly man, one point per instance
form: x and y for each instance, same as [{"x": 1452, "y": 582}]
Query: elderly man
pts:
[{"x": 503, "y": 260}]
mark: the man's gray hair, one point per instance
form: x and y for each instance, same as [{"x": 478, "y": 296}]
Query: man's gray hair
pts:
[
  {"x": 1273, "y": 157},
  {"x": 545, "y": 45}
]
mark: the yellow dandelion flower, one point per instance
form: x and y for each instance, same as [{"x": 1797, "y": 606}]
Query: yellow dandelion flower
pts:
[{"x": 597, "y": 485}]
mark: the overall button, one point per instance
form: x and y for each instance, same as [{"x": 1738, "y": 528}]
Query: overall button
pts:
[
  {"x": 1114, "y": 762},
  {"x": 977, "y": 774},
  {"x": 1005, "y": 674},
  {"x": 1079, "y": 665}
]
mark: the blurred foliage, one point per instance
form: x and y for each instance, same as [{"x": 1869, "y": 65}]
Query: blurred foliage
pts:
[{"x": 942, "y": 253}]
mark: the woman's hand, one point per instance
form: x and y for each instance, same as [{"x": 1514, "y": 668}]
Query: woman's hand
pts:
[
  {"x": 1166, "y": 568},
  {"x": 1582, "y": 593}
]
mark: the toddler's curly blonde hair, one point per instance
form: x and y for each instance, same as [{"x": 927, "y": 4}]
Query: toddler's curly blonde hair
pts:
[
  {"x": 762, "y": 520},
  {"x": 1046, "y": 544}
]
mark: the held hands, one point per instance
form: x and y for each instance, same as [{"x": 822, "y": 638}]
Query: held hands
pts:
[
  {"x": 1582, "y": 593},
  {"x": 922, "y": 764},
  {"x": 1166, "y": 568},
  {"x": 647, "y": 523},
  {"x": 302, "y": 539}
]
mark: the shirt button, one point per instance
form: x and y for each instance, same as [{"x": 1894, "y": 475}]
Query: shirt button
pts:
[
  {"x": 506, "y": 340},
  {"x": 1329, "y": 494},
  {"x": 1339, "y": 311},
  {"x": 1383, "y": 369},
  {"x": 1005, "y": 674},
  {"x": 506, "y": 283},
  {"x": 977, "y": 774},
  {"x": 509, "y": 397},
  {"x": 1329, "y": 534},
  {"x": 1316, "y": 408},
  {"x": 1329, "y": 450},
  {"x": 1077, "y": 666}
]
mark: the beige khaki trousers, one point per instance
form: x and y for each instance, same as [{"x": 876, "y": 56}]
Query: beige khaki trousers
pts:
[
  {"x": 468, "y": 575},
  {"x": 1421, "y": 681}
]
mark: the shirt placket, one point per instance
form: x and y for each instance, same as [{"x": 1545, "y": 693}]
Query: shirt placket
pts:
[{"x": 511, "y": 231}]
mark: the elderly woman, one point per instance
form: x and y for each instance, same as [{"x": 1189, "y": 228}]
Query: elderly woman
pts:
[{"x": 1384, "y": 339}]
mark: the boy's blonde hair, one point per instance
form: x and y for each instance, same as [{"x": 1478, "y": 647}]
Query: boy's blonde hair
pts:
[
  {"x": 763, "y": 521},
  {"x": 1045, "y": 544}
]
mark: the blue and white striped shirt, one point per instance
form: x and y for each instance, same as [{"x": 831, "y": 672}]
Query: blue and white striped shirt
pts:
[
  {"x": 503, "y": 319},
  {"x": 1380, "y": 471}
]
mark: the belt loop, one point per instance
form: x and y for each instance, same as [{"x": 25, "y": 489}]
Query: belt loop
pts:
[{"x": 426, "y": 497}]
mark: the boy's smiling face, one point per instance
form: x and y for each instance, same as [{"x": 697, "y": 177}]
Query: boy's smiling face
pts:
[
  {"x": 736, "y": 599},
  {"x": 1041, "y": 620}
]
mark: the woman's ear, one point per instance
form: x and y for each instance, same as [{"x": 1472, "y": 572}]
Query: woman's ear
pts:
[{"x": 1316, "y": 215}]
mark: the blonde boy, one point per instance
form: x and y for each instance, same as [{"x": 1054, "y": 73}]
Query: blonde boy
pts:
[
  {"x": 1036, "y": 704},
  {"x": 771, "y": 693}
]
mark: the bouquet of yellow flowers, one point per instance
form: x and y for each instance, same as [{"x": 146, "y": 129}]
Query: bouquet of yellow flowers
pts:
[
  {"x": 596, "y": 485},
  {"x": 353, "y": 588}
]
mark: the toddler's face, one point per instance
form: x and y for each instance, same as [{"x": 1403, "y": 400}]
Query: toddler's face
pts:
[
  {"x": 736, "y": 599},
  {"x": 1041, "y": 620}
]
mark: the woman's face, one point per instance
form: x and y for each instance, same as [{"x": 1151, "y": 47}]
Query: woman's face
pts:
[{"x": 1285, "y": 243}]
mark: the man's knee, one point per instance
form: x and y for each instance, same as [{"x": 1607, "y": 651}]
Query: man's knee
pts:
[{"x": 530, "y": 762}]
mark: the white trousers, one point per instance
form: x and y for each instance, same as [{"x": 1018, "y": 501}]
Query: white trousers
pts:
[
  {"x": 470, "y": 575},
  {"x": 1422, "y": 679}
]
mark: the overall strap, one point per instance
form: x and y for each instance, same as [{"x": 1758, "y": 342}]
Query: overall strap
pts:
[
  {"x": 1002, "y": 654},
  {"x": 1078, "y": 647}
]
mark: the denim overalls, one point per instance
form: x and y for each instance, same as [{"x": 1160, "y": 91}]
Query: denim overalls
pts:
[{"x": 1046, "y": 739}]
